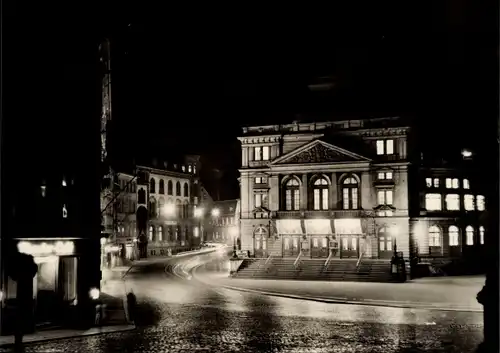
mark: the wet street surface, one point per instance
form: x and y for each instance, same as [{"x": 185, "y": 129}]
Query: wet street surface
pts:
[{"x": 185, "y": 316}]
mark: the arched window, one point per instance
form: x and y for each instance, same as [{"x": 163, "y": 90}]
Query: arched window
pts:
[
  {"x": 141, "y": 197},
  {"x": 169, "y": 235},
  {"x": 434, "y": 236},
  {"x": 152, "y": 207},
  {"x": 260, "y": 240},
  {"x": 178, "y": 189},
  {"x": 151, "y": 233},
  {"x": 161, "y": 206},
  {"x": 170, "y": 187},
  {"x": 186, "y": 190},
  {"x": 152, "y": 186},
  {"x": 162, "y": 187},
  {"x": 481, "y": 235},
  {"x": 178, "y": 207},
  {"x": 320, "y": 189},
  {"x": 453, "y": 236},
  {"x": 160, "y": 233},
  {"x": 350, "y": 193},
  {"x": 292, "y": 195},
  {"x": 469, "y": 235},
  {"x": 185, "y": 209}
]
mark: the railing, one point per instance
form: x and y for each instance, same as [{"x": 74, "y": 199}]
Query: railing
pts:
[
  {"x": 258, "y": 266},
  {"x": 297, "y": 259},
  {"x": 359, "y": 260},
  {"x": 325, "y": 266},
  {"x": 268, "y": 259}
]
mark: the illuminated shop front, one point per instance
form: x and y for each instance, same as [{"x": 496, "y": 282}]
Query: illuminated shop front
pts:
[{"x": 55, "y": 285}]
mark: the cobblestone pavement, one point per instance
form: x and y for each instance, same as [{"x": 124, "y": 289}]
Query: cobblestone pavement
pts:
[{"x": 185, "y": 316}]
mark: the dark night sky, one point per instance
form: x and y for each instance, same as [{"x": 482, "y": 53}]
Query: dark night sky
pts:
[{"x": 194, "y": 78}]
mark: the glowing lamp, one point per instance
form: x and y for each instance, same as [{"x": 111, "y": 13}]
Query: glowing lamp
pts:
[
  {"x": 466, "y": 153},
  {"x": 46, "y": 249},
  {"x": 196, "y": 232},
  {"x": 234, "y": 232},
  {"x": 215, "y": 212},
  {"x": 169, "y": 209},
  {"x": 103, "y": 241},
  {"x": 198, "y": 212},
  {"x": 94, "y": 293}
]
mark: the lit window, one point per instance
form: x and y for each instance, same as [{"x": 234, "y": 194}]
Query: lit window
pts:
[
  {"x": 452, "y": 202},
  {"x": 428, "y": 182},
  {"x": 64, "y": 212},
  {"x": 194, "y": 169},
  {"x": 384, "y": 213},
  {"x": 258, "y": 180},
  {"x": 448, "y": 183},
  {"x": 469, "y": 235},
  {"x": 433, "y": 202},
  {"x": 466, "y": 184},
  {"x": 265, "y": 153},
  {"x": 385, "y": 197},
  {"x": 160, "y": 233},
  {"x": 481, "y": 235},
  {"x": 389, "y": 147},
  {"x": 190, "y": 168},
  {"x": 292, "y": 195},
  {"x": 480, "y": 203},
  {"x": 436, "y": 182},
  {"x": 453, "y": 235},
  {"x": 455, "y": 183},
  {"x": 257, "y": 153},
  {"x": 350, "y": 194},
  {"x": 43, "y": 190},
  {"x": 434, "y": 236},
  {"x": 151, "y": 231},
  {"x": 385, "y": 176},
  {"x": 64, "y": 182},
  {"x": 380, "y": 147},
  {"x": 320, "y": 194},
  {"x": 183, "y": 168},
  {"x": 469, "y": 202}
]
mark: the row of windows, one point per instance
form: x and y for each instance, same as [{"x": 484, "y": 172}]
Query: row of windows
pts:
[
  {"x": 380, "y": 176},
  {"x": 168, "y": 209},
  {"x": 261, "y": 153},
  {"x": 161, "y": 188},
  {"x": 385, "y": 147},
  {"x": 433, "y": 202},
  {"x": 191, "y": 168},
  {"x": 173, "y": 233},
  {"x": 450, "y": 183},
  {"x": 222, "y": 221},
  {"x": 435, "y": 236}
]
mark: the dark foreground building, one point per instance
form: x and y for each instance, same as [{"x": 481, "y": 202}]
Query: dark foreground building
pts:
[{"x": 50, "y": 186}]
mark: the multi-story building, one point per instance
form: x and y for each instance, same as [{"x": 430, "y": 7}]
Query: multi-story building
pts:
[
  {"x": 349, "y": 188},
  {"x": 225, "y": 222},
  {"x": 152, "y": 209}
]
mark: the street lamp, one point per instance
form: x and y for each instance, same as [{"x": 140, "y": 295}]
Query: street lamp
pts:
[
  {"x": 234, "y": 234},
  {"x": 198, "y": 213},
  {"x": 215, "y": 212}
]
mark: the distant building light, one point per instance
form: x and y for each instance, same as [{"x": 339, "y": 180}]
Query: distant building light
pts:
[
  {"x": 64, "y": 182},
  {"x": 65, "y": 212},
  {"x": 43, "y": 190},
  {"x": 466, "y": 153}
]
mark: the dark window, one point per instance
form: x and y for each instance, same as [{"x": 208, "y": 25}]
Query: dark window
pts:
[
  {"x": 162, "y": 187},
  {"x": 178, "y": 189},
  {"x": 142, "y": 196},
  {"x": 170, "y": 187},
  {"x": 186, "y": 190},
  {"x": 152, "y": 186}
]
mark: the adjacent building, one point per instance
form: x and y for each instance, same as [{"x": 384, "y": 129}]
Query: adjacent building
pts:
[
  {"x": 356, "y": 188},
  {"x": 225, "y": 222},
  {"x": 152, "y": 210}
]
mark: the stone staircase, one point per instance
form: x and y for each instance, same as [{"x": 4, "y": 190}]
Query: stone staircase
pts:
[{"x": 314, "y": 270}]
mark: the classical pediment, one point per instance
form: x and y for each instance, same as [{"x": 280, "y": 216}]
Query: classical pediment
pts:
[{"x": 319, "y": 152}]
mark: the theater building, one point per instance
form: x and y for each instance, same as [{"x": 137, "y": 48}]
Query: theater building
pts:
[{"x": 351, "y": 189}]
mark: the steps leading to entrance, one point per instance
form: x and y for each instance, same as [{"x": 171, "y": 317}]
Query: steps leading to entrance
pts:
[{"x": 313, "y": 269}]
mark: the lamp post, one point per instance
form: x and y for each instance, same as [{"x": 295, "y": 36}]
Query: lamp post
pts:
[
  {"x": 234, "y": 235},
  {"x": 215, "y": 214},
  {"x": 198, "y": 213}
]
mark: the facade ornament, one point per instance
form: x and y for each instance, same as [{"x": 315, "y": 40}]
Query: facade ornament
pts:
[{"x": 318, "y": 154}]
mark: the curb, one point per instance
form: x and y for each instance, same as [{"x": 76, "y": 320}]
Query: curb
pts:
[
  {"x": 62, "y": 335},
  {"x": 342, "y": 300}
]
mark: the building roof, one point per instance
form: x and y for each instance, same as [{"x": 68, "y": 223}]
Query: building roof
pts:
[{"x": 227, "y": 206}]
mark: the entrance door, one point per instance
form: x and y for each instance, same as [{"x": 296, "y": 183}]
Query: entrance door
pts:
[
  {"x": 319, "y": 247},
  {"x": 46, "y": 290},
  {"x": 291, "y": 247},
  {"x": 349, "y": 247},
  {"x": 385, "y": 247},
  {"x": 260, "y": 247}
]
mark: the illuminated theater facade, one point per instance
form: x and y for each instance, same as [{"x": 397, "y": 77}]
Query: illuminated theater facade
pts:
[{"x": 349, "y": 188}]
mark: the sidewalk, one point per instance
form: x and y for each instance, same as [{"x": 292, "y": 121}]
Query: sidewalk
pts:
[
  {"x": 445, "y": 293},
  {"x": 59, "y": 334}
]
